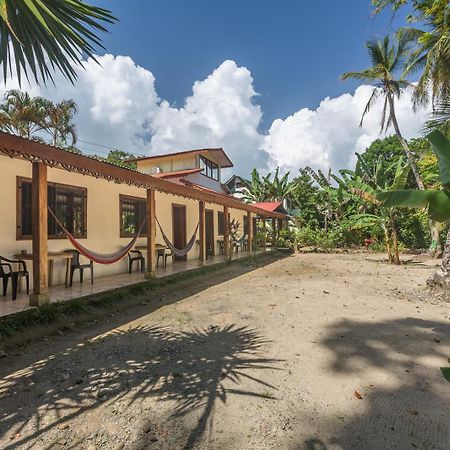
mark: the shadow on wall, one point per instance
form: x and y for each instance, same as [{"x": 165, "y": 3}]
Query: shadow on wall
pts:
[
  {"x": 413, "y": 409},
  {"x": 121, "y": 370}
]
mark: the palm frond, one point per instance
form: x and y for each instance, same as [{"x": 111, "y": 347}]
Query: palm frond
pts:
[{"x": 42, "y": 36}]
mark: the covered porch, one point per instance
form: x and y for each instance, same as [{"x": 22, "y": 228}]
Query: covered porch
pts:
[
  {"x": 46, "y": 159},
  {"x": 107, "y": 283}
]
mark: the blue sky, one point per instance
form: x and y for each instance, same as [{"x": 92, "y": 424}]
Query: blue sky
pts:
[
  {"x": 258, "y": 78},
  {"x": 295, "y": 50}
]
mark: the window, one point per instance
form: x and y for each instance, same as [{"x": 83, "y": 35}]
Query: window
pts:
[
  {"x": 67, "y": 202},
  {"x": 220, "y": 223},
  {"x": 132, "y": 213},
  {"x": 210, "y": 169}
]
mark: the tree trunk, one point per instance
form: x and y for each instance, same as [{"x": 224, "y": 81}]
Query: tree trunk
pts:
[
  {"x": 387, "y": 245},
  {"x": 442, "y": 277},
  {"x": 435, "y": 247},
  {"x": 395, "y": 254},
  {"x": 404, "y": 145}
]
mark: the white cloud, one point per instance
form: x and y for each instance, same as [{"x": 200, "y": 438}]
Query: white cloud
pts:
[
  {"x": 329, "y": 136},
  {"x": 119, "y": 106},
  {"x": 219, "y": 113}
]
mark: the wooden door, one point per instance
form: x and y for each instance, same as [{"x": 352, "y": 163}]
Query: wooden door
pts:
[
  {"x": 179, "y": 228},
  {"x": 209, "y": 232}
]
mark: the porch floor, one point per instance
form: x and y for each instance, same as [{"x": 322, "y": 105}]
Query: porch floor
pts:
[{"x": 102, "y": 284}]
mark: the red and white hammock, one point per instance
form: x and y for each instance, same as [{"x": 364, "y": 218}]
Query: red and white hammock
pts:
[{"x": 100, "y": 258}]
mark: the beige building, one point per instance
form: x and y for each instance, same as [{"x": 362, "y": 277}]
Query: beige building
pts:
[{"x": 103, "y": 205}]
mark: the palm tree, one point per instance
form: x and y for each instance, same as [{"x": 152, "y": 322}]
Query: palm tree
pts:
[
  {"x": 59, "y": 122},
  {"x": 44, "y": 35},
  {"x": 387, "y": 58},
  {"x": 21, "y": 114}
]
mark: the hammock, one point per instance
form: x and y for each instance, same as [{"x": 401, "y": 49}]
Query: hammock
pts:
[
  {"x": 178, "y": 252},
  {"x": 99, "y": 258}
]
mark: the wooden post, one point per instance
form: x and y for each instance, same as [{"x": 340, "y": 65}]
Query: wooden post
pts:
[
  {"x": 39, "y": 222},
  {"x": 274, "y": 233},
  {"x": 226, "y": 237},
  {"x": 201, "y": 231},
  {"x": 250, "y": 232},
  {"x": 264, "y": 224},
  {"x": 151, "y": 234}
]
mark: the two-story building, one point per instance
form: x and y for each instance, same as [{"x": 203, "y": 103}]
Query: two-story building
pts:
[{"x": 103, "y": 205}]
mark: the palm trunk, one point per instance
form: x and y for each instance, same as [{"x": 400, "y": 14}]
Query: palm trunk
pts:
[
  {"x": 435, "y": 247},
  {"x": 442, "y": 277},
  {"x": 404, "y": 145}
]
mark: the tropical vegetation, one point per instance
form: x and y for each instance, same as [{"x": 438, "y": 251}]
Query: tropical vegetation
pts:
[{"x": 42, "y": 36}]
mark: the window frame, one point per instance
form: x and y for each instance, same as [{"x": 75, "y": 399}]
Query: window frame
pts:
[
  {"x": 209, "y": 168},
  {"x": 122, "y": 232},
  {"x": 68, "y": 187}
]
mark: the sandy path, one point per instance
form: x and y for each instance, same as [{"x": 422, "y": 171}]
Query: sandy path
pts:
[{"x": 269, "y": 359}]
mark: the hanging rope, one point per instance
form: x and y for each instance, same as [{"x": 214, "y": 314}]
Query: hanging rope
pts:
[
  {"x": 99, "y": 258},
  {"x": 178, "y": 252}
]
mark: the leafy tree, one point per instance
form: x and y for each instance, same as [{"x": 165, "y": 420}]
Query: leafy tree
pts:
[
  {"x": 261, "y": 189},
  {"x": 365, "y": 182},
  {"x": 44, "y": 35},
  {"x": 58, "y": 122},
  {"x": 387, "y": 58},
  {"x": 437, "y": 200},
  {"x": 21, "y": 114},
  {"x": 304, "y": 198},
  {"x": 121, "y": 158}
]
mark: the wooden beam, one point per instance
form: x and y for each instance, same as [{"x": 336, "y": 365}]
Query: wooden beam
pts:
[
  {"x": 18, "y": 147},
  {"x": 39, "y": 222},
  {"x": 226, "y": 236},
  {"x": 274, "y": 233},
  {"x": 250, "y": 232},
  {"x": 151, "y": 234},
  {"x": 201, "y": 231},
  {"x": 264, "y": 224}
]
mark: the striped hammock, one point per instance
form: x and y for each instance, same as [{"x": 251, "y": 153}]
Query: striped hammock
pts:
[
  {"x": 100, "y": 258},
  {"x": 178, "y": 252}
]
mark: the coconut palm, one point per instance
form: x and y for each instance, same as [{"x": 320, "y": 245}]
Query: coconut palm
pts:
[
  {"x": 43, "y": 35},
  {"x": 387, "y": 57},
  {"x": 59, "y": 124},
  {"x": 22, "y": 114}
]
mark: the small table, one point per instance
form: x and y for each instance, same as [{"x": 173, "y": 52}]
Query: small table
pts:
[
  {"x": 52, "y": 256},
  {"x": 160, "y": 251}
]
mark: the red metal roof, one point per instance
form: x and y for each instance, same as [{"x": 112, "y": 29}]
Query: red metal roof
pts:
[
  {"x": 176, "y": 174},
  {"x": 268, "y": 206},
  {"x": 220, "y": 154}
]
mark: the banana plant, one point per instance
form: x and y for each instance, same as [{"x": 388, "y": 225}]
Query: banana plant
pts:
[
  {"x": 365, "y": 185},
  {"x": 436, "y": 201}
]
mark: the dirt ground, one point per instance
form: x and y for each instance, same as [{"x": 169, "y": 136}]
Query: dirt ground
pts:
[{"x": 263, "y": 358}]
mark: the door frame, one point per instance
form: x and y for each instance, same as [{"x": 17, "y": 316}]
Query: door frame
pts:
[
  {"x": 179, "y": 206},
  {"x": 210, "y": 212}
]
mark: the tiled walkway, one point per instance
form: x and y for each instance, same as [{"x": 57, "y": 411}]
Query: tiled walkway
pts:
[{"x": 61, "y": 293}]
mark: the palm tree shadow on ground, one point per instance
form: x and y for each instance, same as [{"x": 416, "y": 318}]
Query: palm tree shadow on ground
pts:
[
  {"x": 411, "y": 408},
  {"x": 189, "y": 369}
]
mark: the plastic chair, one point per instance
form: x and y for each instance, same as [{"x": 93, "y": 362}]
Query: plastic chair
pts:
[
  {"x": 137, "y": 257},
  {"x": 13, "y": 274}
]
